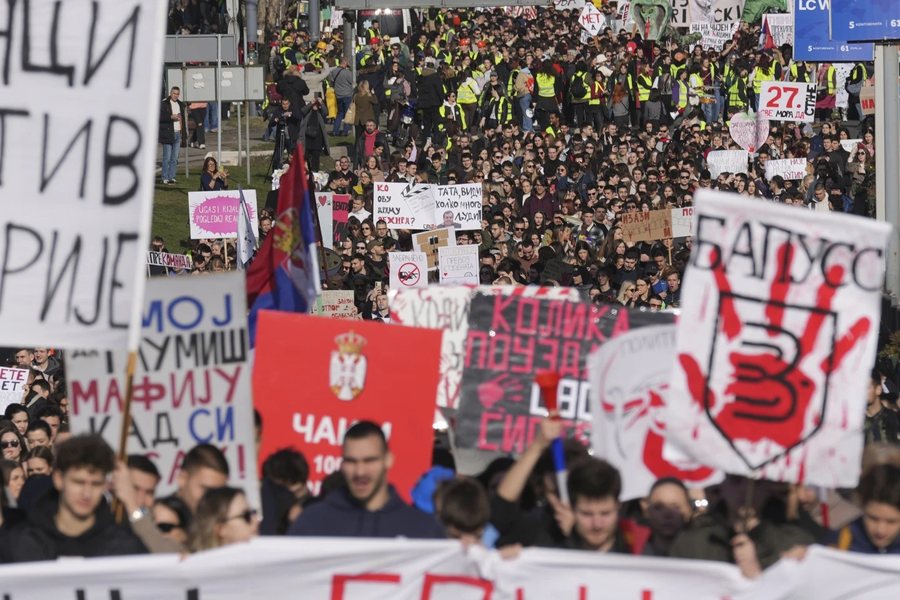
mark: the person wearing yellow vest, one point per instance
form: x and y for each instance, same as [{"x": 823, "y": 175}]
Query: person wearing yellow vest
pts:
[
  {"x": 498, "y": 110},
  {"x": 545, "y": 89},
  {"x": 680, "y": 92},
  {"x": 596, "y": 106},
  {"x": 736, "y": 88},
  {"x": 452, "y": 118},
  {"x": 826, "y": 99},
  {"x": 799, "y": 72},
  {"x": 580, "y": 92},
  {"x": 765, "y": 70},
  {"x": 644, "y": 84},
  {"x": 467, "y": 96}
]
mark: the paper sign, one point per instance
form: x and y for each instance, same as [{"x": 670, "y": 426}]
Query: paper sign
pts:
[
  {"x": 458, "y": 206},
  {"x": 336, "y": 303},
  {"x": 787, "y": 168},
  {"x": 646, "y": 226},
  {"x": 215, "y": 214},
  {"x": 850, "y": 146},
  {"x": 12, "y": 386},
  {"x": 680, "y": 13},
  {"x": 773, "y": 338},
  {"x": 682, "y": 222},
  {"x": 325, "y": 210},
  {"x": 430, "y": 242},
  {"x": 867, "y": 99},
  {"x": 727, "y": 161},
  {"x": 340, "y": 215},
  {"x": 787, "y": 101},
  {"x": 715, "y": 11},
  {"x": 77, "y": 161},
  {"x": 629, "y": 430},
  {"x": 568, "y": 4},
  {"x": 780, "y": 27},
  {"x": 408, "y": 270},
  {"x": 715, "y": 35},
  {"x": 458, "y": 265},
  {"x": 172, "y": 261},
  {"x": 404, "y": 205},
  {"x": 347, "y": 376},
  {"x": 192, "y": 383},
  {"x": 592, "y": 20}
]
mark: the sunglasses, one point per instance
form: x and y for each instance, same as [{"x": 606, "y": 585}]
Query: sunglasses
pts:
[
  {"x": 248, "y": 516},
  {"x": 168, "y": 527},
  {"x": 9, "y": 444}
]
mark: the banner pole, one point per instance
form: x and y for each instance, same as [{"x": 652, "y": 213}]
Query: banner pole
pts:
[{"x": 122, "y": 453}]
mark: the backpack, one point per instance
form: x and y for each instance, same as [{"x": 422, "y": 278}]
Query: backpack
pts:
[{"x": 577, "y": 88}]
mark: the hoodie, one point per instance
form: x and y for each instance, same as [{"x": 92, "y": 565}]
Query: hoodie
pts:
[
  {"x": 39, "y": 539},
  {"x": 340, "y": 515}
]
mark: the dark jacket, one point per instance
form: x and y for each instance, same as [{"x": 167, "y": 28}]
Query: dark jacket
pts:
[
  {"x": 166, "y": 124},
  {"x": 318, "y": 142},
  {"x": 294, "y": 88},
  {"x": 853, "y": 538},
  {"x": 429, "y": 89},
  {"x": 341, "y": 515},
  {"x": 39, "y": 539}
]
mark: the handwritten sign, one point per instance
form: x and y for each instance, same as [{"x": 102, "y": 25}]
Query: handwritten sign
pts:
[
  {"x": 726, "y": 161},
  {"x": 408, "y": 270},
  {"x": 79, "y": 143},
  {"x": 787, "y": 168},
  {"x": 12, "y": 386},
  {"x": 646, "y": 226},
  {"x": 215, "y": 214},
  {"x": 682, "y": 221},
  {"x": 458, "y": 206},
  {"x": 787, "y": 101},
  {"x": 430, "y": 242},
  {"x": 192, "y": 383},
  {"x": 172, "y": 261},
  {"x": 458, "y": 265},
  {"x": 592, "y": 20},
  {"x": 325, "y": 210},
  {"x": 404, "y": 205},
  {"x": 336, "y": 303}
]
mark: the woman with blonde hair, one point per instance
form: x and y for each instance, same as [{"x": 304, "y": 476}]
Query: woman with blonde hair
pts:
[
  {"x": 223, "y": 517},
  {"x": 365, "y": 102}
]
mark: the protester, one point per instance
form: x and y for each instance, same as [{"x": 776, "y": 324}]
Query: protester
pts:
[
  {"x": 877, "y": 531},
  {"x": 222, "y": 517}
]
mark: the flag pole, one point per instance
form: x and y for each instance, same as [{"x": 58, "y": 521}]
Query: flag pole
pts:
[{"x": 319, "y": 238}]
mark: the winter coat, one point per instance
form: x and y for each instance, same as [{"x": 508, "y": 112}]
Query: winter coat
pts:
[
  {"x": 430, "y": 92},
  {"x": 294, "y": 88}
]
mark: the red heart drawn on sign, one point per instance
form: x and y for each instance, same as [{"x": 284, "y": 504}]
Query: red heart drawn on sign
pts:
[
  {"x": 322, "y": 200},
  {"x": 749, "y": 131}
]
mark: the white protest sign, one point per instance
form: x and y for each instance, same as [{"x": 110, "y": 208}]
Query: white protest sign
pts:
[
  {"x": 715, "y": 11},
  {"x": 447, "y": 308},
  {"x": 680, "y": 13},
  {"x": 682, "y": 222},
  {"x": 192, "y": 383},
  {"x": 172, "y": 261},
  {"x": 458, "y": 265},
  {"x": 850, "y": 146},
  {"x": 568, "y": 4},
  {"x": 715, "y": 35},
  {"x": 336, "y": 303},
  {"x": 787, "y": 101},
  {"x": 781, "y": 27},
  {"x": 629, "y": 431},
  {"x": 592, "y": 20},
  {"x": 623, "y": 14},
  {"x": 78, "y": 140},
  {"x": 215, "y": 214},
  {"x": 325, "y": 210},
  {"x": 404, "y": 205},
  {"x": 12, "y": 386},
  {"x": 787, "y": 168},
  {"x": 727, "y": 161},
  {"x": 408, "y": 270},
  {"x": 772, "y": 339},
  {"x": 458, "y": 206}
]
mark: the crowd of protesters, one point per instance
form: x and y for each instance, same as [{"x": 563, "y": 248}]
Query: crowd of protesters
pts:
[{"x": 565, "y": 136}]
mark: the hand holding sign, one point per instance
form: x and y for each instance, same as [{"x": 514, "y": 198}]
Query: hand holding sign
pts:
[{"x": 548, "y": 381}]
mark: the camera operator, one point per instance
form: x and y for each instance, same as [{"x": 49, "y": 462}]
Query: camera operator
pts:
[
  {"x": 287, "y": 126},
  {"x": 312, "y": 133}
]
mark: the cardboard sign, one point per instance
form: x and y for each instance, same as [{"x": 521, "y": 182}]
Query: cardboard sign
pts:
[
  {"x": 12, "y": 386},
  {"x": 171, "y": 261},
  {"x": 430, "y": 242},
  {"x": 867, "y": 99},
  {"x": 629, "y": 430},
  {"x": 458, "y": 206},
  {"x": 727, "y": 161},
  {"x": 77, "y": 167},
  {"x": 646, "y": 226},
  {"x": 192, "y": 383},
  {"x": 787, "y": 168},
  {"x": 682, "y": 222},
  {"x": 348, "y": 375},
  {"x": 509, "y": 340},
  {"x": 336, "y": 304},
  {"x": 408, "y": 270},
  {"x": 447, "y": 309},
  {"x": 773, "y": 338},
  {"x": 325, "y": 211},
  {"x": 787, "y": 101},
  {"x": 404, "y": 205},
  {"x": 459, "y": 265},
  {"x": 215, "y": 214},
  {"x": 592, "y": 20}
]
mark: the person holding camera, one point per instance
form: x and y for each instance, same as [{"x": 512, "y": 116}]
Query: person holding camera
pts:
[
  {"x": 212, "y": 178},
  {"x": 312, "y": 133}
]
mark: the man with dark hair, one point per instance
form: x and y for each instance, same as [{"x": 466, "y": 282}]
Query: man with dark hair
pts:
[
  {"x": 283, "y": 490},
  {"x": 367, "y": 505},
  {"x": 464, "y": 509},
  {"x": 52, "y": 416},
  {"x": 881, "y": 425},
  {"x": 73, "y": 519},
  {"x": 203, "y": 468},
  {"x": 144, "y": 478},
  {"x": 877, "y": 531},
  {"x": 38, "y": 434},
  {"x": 289, "y": 469}
]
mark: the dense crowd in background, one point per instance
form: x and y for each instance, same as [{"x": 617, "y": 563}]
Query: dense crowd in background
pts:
[{"x": 566, "y": 136}]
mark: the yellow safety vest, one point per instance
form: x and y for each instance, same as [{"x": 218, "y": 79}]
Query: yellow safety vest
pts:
[
  {"x": 465, "y": 94},
  {"x": 595, "y": 101},
  {"x": 546, "y": 85},
  {"x": 682, "y": 94},
  {"x": 587, "y": 86},
  {"x": 644, "y": 85},
  {"x": 762, "y": 76}
]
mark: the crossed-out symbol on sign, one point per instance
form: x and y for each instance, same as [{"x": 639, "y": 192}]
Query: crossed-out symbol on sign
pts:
[{"x": 408, "y": 274}]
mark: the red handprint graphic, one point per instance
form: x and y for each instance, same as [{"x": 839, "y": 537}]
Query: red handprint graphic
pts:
[{"x": 771, "y": 386}]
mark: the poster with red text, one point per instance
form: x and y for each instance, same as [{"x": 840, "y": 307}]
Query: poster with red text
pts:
[
  {"x": 777, "y": 336},
  {"x": 509, "y": 340},
  {"x": 314, "y": 377}
]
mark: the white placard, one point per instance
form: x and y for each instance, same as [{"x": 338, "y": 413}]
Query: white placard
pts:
[
  {"x": 850, "y": 146},
  {"x": 404, "y": 205},
  {"x": 81, "y": 111},
  {"x": 772, "y": 340},
  {"x": 171, "y": 261},
  {"x": 682, "y": 222},
  {"x": 592, "y": 20},
  {"x": 12, "y": 386},
  {"x": 458, "y": 206},
  {"x": 715, "y": 35},
  {"x": 408, "y": 270},
  {"x": 568, "y": 4},
  {"x": 727, "y": 161},
  {"x": 458, "y": 265},
  {"x": 787, "y": 101},
  {"x": 787, "y": 168},
  {"x": 715, "y": 11},
  {"x": 215, "y": 215},
  {"x": 325, "y": 209},
  {"x": 192, "y": 383},
  {"x": 781, "y": 27}
]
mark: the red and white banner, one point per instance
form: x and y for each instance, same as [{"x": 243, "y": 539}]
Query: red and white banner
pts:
[
  {"x": 629, "y": 429},
  {"x": 787, "y": 101},
  {"x": 778, "y": 328},
  {"x": 367, "y": 569}
]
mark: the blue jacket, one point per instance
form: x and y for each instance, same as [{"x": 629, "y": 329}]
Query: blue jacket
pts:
[
  {"x": 853, "y": 538},
  {"x": 340, "y": 515}
]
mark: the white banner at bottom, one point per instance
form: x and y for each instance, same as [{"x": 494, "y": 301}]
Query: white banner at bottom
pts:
[{"x": 362, "y": 569}]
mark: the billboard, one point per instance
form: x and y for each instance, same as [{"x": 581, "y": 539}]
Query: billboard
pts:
[
  {"x": 811, "y": 41},
  {"x": 865, "y": 20}
]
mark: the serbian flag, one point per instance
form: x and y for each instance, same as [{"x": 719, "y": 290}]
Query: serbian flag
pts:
[
  {"x": 768, "y": 39},
  {"x": 285, "y": 273}
]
